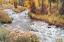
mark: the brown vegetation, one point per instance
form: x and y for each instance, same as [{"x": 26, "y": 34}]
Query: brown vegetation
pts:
[
  {"x": 51, "y": 18},
  {"x": 17, "y": 36},
  {"x": 7, "y": 6},
  {"x": 7, "y": 35},
  {"x": 4, "y": 33},
  {"x": 19, "y": 9},
  {"x": 4, "y": 18}
]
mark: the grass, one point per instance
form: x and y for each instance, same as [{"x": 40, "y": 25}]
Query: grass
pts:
[
  {"x": 4, "y": 18},
  {"x": 53, "y": 19},
  {"x": 19, "y": 9},
  {"x": 3, "y": 34},
  {"x": 17, "y": 36},
  {"x": 7, "y": 35},
  {"x": 7, "y": 6}
]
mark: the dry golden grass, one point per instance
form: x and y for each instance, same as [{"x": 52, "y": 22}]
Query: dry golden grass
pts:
[
  {"x": 7, "y": 6},
  {"x": 17, "y": 36},
  {"x": 19, "y": 9},
  {"x": 4, "y": 18},
  {"x": 7, "y": 35},
  {"x": 51, "y": 18}
]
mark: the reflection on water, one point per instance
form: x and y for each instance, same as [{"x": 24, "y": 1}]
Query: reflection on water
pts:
[{"x": 21, "y": 21}]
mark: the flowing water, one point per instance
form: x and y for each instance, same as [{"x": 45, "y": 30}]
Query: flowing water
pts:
[{"x": 21, "y": 21}]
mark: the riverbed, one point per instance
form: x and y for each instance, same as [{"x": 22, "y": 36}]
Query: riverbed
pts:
[{"x": 21, "y": 21}]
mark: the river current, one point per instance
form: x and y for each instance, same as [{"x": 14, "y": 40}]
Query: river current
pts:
[{"x": 21, "y": 21}]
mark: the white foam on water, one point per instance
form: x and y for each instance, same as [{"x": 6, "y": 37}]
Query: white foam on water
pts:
[{"x": 22, "y": 22}]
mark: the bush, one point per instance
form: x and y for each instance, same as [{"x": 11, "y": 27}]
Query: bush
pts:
[
  {"x": 4, "y": 18},
  {"x": 3, "y": 34},
  {"x": 17, "y": 36}
]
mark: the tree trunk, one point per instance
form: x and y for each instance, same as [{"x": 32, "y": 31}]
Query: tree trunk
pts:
[
  {"x": 50, "y": 4},
  {"x": 9, "y": 1},
  {"x": 57, "y": 4},
  {"x": 62, "y": 9},
  {"x": 42, "y": 6},
  {"x": 4, "y": 1},
  {"x": 15, "y": 4},
  {"x": 19, "y": 2},
  {"x": 33, "y": 8}
]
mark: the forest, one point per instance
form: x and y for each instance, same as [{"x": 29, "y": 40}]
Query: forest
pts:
[{"x": 31, "y": 20}]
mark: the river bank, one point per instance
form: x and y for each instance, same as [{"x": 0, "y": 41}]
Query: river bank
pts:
[{"x": 52, "y": 19}]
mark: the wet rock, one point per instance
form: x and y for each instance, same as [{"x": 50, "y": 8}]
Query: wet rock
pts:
[
  {"x": 32, "y": 30},
  {"x": 35, "y": 30},
  {"x": 12, "y": 13},
  {"x": 25, "y": 13},
  {"x": 49, "y": 27},
  {"x": 12, "y": 19}
]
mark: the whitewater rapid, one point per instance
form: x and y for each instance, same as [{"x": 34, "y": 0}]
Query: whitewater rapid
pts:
[{"x": 21, "y": 21}]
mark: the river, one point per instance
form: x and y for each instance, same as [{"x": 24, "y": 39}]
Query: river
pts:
[{"x": 21, "y": 21}]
